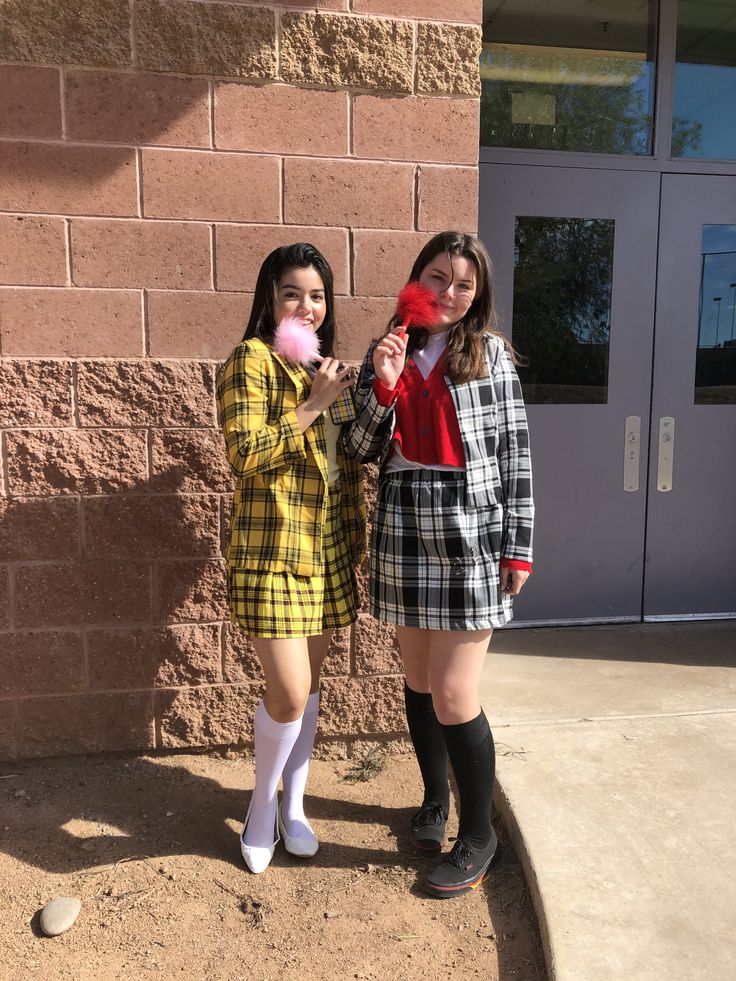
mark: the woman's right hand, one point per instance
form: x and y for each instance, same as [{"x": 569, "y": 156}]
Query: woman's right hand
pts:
[{"x": 389, "y": 357}]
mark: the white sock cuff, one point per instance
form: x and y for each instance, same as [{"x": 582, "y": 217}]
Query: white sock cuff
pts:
[{"x": 275, "y": 730}]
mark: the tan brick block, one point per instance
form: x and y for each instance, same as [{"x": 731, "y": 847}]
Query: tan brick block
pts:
[
  {"x": 206, "y": 38},
  {"x": 190, "y": 324},
  {"x": 448, "y": 199},
  {"x": 239, "y": 657},
  {"x": 330, "y": 49},
  {"x": 72, "y": 593},
  {"x": 137, "y": 108},
  {"x": 351, "y": 706},
  {"x": 281, "y": 119},
  {"x": 206, "y": 716},
  {"x": 96, "y": 32},
  {"x": 163, "y": 254},
  {"x": 70, "y": 461},
  {"x": 188, "y": 655},
  {"x": 360, "y": 320},
  {"x": 383, "y": 260},
  {"x": 151, "y": 526},
  {"x": 240, "y": 250},
  {"x": 88, "y": 723},
  {"x": 190, "y": 461},
  {"x": 32, "y": 251},
  {"x": 212, "y": 186},
  {"x": 71, "y": 323},
  {"x": 460, "y": 11},
  {"x": 337, "y": 662},
  {"x": 448, "y": 59},
  {"x": 387, "y": 746},
  {"x": 68, "y": 180},
  {"x": 191, "y": 591},
  {"x": 376, "y": 648},
  {"x": 35, "y": 528},
  {"x": 35, "y": 393},
  {"x": 331, "y": 750},
  {"x": 7, "y": 730},
  {"x": 41, "y": 663},
  {"x": 4, "y": 597},
  {"x": 147, "y": 393},
  {"x": 30, "y": 102},
  {"x": 413, "y": 128},
  {"x": 348, "y": 192}
]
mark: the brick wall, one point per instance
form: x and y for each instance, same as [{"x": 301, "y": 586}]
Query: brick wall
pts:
[{"x": 151, "y": 153}]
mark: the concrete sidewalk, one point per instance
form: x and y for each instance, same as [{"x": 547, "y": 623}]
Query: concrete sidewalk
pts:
[{"x": 616, "y": 769}]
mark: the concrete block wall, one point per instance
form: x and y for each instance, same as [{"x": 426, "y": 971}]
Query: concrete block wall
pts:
[{"x": 151, "y": 153}]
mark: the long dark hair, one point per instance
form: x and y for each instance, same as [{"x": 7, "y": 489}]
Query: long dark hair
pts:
[
  {"x": 301, "y": 255},
  {"x": 465, "y": 352}
]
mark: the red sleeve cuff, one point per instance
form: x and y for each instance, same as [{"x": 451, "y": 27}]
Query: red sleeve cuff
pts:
[
  {"x": 516, "y": 564},
  {"x": 384, "y": 396}
]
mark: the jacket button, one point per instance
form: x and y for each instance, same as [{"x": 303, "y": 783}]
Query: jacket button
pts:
[
  {"x": 425, "y": 393},
  {"x": 424, "y": 431}
]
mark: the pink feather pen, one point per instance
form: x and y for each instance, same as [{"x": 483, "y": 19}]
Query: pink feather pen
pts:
[{"x": 295, "y": 342}]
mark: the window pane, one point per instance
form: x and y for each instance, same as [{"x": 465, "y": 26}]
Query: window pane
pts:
[
  {"x": 562, "y": 307},
  {"x": 568, "y": 76},
  {"x": 715, "y": 363},
  {"x": 704, "y": 119}
]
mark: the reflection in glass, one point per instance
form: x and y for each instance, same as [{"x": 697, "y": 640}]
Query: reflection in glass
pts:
[
  {"x": 562, "y": 76},
  {"x": 562, "y": 307},
  {"x": 715, "y": 363},
  {"x": 704, "y": 122}
]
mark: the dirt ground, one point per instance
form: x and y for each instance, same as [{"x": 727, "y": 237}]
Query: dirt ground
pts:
[{"x": 150, "y": 846}]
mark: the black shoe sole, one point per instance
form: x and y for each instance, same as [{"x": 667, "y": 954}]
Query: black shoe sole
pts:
[{"x": 449, "y": 892}]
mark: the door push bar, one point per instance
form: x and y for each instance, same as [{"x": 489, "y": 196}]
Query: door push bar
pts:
[{"x": 666, "y": 447}]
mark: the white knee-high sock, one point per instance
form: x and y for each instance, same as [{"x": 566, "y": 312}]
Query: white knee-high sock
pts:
[
  {"x": 296, "y": 770},
  {"x": 273, "y": 743}
]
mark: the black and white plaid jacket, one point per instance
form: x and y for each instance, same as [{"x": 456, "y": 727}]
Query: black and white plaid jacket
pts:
[{"x": 495, "y": 437}]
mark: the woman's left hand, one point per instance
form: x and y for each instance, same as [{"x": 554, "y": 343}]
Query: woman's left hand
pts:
[{"x": 511, "y": 580}]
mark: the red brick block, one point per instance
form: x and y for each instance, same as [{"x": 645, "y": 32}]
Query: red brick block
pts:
[
  {"x": 71, "y": 323},
  {"x": 149, "y": 526},
  {"x": 448, "y": 198},
  {"x": 137, "y": 108},
  {"x": 127, "y": 658},
  {"x": 7, "y": 730},
  {"x": 361, "y": 319},
  {"x": 376, "y": 648},
  {"x": 72, "y": 593},
  {"x": 281, "y": 119},
  {"x": 415, "y": 128},
  {"x": 348, "y": 192},
  {"x": 38, "y": 528},
  {"x": 32, "y": 251},
  {"x": 240, "y": 250},
  {"x": 4, "y": 597},
  {"x": 163, "y": 254},
  {"x": 68, "y": 180},
  {"x": 191, "y": 591},
  {"x": 35, "y": 393},
  {"x": 70, "y": 461},
  {"x": 188, "y": 324},
  {"x": 30, "y": 103},
  {"x": 383, "y": 260},
  {"x": 460, "y": 11},
  {"x": 337, "y": 662},
  {"x": 146, "y": 393},
  {"x": 190, "y": 461},
  {"x": 352, "y": 706},
  {"x": 87, "y": 723},
  {"x": 207, "y": 716},
  {"x": 240, "y": 662},
  {"x": 211, "y": 186},
  {"x": 41, "y": 663}
]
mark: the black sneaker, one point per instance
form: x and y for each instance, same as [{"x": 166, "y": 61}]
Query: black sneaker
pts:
[
  {"x": 427, "y": 830},
  {"x": 463, "y": 869}
]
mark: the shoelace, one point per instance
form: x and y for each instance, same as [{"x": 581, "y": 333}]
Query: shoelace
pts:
[
  {"x": 460, "y": 854},
  {"x": 431, "y": 814}
]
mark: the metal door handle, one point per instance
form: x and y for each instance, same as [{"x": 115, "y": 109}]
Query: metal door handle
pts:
[
  {"x": 632, "y": 441},
  {"x": 666, "y": 453}
]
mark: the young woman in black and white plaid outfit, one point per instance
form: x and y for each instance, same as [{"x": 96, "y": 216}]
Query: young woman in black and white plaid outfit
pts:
[{"x": 442, "y": 409}]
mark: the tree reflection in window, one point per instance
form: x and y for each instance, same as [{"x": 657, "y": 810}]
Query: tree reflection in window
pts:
[
  {"x": 562, "y": 307},
  {"x": 715, "y": 363}
]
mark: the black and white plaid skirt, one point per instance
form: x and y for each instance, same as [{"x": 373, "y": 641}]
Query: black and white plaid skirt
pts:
[{"x": 434, "y": 559}]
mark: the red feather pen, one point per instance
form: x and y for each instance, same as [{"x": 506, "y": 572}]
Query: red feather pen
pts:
[{"x": 417, "y": 306}]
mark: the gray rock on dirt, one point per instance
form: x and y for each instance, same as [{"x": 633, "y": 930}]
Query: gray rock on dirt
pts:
[{"x": 59, "y": 915}]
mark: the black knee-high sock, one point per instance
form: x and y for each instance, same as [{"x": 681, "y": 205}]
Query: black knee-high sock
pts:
[
  {"x": 473, "y": 758},
  {"x": 429, "y": 745}
]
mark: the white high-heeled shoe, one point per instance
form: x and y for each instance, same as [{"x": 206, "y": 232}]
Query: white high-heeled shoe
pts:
[
  {"x": 298, "y": 847},
  {"x": 256, "y": 857}
]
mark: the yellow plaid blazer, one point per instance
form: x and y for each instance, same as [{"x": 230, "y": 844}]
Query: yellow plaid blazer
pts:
[{"x": 280, "y": 497}]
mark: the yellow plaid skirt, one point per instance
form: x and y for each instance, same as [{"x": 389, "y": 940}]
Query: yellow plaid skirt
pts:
[{"x": 279, "y": 604}]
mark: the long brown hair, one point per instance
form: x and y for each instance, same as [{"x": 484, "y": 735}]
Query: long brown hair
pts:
[{"x": 465, "y": 352}]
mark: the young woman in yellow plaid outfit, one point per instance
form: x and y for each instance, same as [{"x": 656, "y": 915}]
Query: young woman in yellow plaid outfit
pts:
[{"x": 297, "y": 531}]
